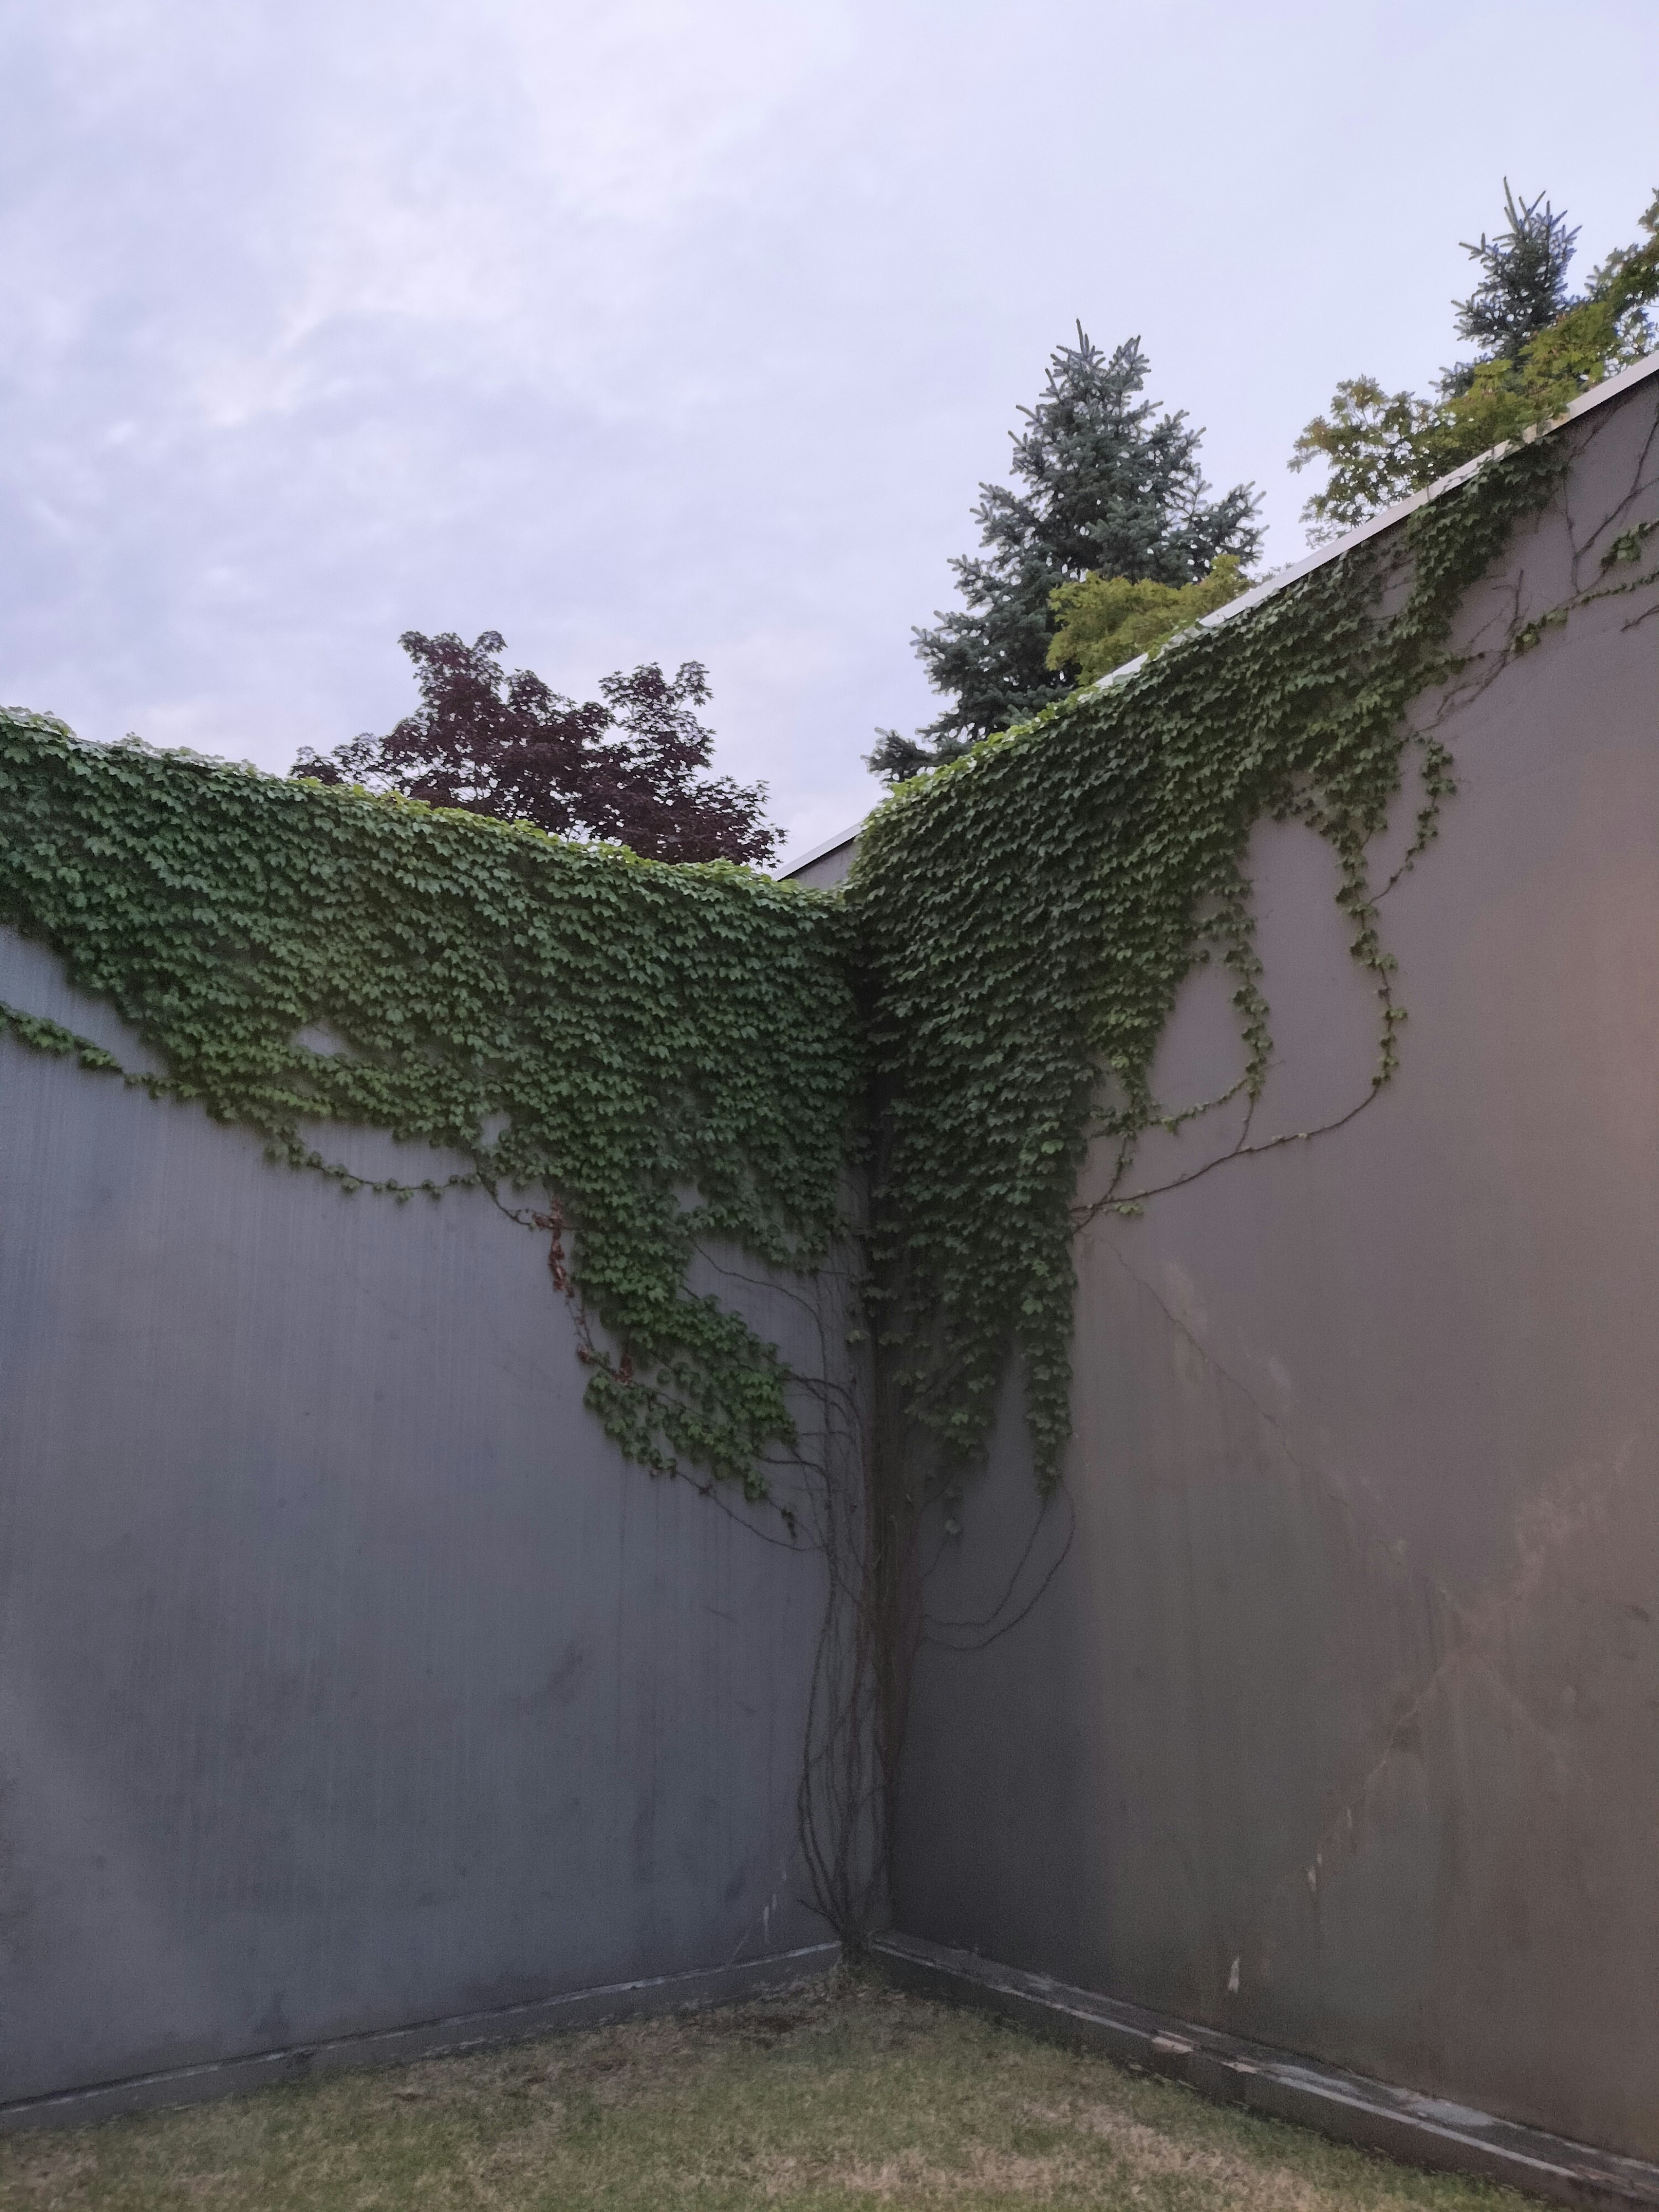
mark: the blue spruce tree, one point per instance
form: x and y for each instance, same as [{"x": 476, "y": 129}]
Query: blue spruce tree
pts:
[{"x": 1107, "y": 483}]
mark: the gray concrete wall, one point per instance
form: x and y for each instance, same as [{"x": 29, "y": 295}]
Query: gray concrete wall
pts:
[
  {"x": 347, "y": 1677},
  {"x": 1337, "y": 1722}
]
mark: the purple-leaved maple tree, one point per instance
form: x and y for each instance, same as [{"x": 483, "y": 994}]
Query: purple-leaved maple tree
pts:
[{"x": 629, "y": 766}]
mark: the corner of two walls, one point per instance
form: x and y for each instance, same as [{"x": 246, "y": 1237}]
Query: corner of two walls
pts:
[{"x": 348, "y": 1677}]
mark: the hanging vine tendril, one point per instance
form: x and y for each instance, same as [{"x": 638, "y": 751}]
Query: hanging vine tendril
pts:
[
  {"x": 1028, "y": 914},
  {"x": 683, "y": 1057},
  {"x": 670, "y": 1052}
]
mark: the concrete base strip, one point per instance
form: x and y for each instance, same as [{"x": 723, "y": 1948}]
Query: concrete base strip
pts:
[
  {"x": 396, "y": 2046},
  {"x": 1419, "y": 2130}
]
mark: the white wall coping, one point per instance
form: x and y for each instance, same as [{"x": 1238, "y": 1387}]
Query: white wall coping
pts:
[
  {"x": 822, "y": 851},
  {"x": 1613, "y": 387}
]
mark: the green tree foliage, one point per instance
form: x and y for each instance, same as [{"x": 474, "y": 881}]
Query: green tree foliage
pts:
[
  {"x": 1542, "y": 349},
  {"x": 626, "y": 768},
  {"x": 1106, "y": 482},
  {"x": 1107, "y": 620}
]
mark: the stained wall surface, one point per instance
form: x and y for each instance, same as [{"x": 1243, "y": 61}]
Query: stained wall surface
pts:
[
  {"x": 1334, "y": 1720},
  {"x": 348, "y": 1678}
]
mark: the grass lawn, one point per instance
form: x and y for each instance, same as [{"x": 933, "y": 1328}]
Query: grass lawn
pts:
[{"x": 844, "y": 2093}]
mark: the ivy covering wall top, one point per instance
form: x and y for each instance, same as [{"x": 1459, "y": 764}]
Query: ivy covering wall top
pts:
[
  {"x": 669, "y": 1051},
  {"x": 1029, "y": 914}
]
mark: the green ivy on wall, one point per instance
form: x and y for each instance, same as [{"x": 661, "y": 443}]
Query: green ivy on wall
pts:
[
  {"x": 679, "y": 1053},
  {"x": 670, "y": 1052},
  {"x": 1028, "y": 914}
]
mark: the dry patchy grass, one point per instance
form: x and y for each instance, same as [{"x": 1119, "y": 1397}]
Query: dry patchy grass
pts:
[{"x": 845, "y": 2094}]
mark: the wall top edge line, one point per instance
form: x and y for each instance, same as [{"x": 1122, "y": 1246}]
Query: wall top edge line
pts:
[
  {"x": 820, "y": 851},
  {"x": 1599, "y": 395}
]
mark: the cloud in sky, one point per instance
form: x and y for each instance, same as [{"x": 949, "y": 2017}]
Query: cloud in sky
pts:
[{"x": 676, "y": 330}]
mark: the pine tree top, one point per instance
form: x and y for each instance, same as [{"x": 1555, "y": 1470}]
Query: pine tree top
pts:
[
  {"x": 1522, "y": 287},
  {"x": 1106, "y": 482}
]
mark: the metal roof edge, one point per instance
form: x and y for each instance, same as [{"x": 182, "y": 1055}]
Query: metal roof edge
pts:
[
  {"x": 1613, "y": 387},
  {"x": 822, "y": 852}
]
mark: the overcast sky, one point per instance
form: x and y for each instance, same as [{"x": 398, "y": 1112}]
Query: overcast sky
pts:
[{"x": 670, "y": 330}]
